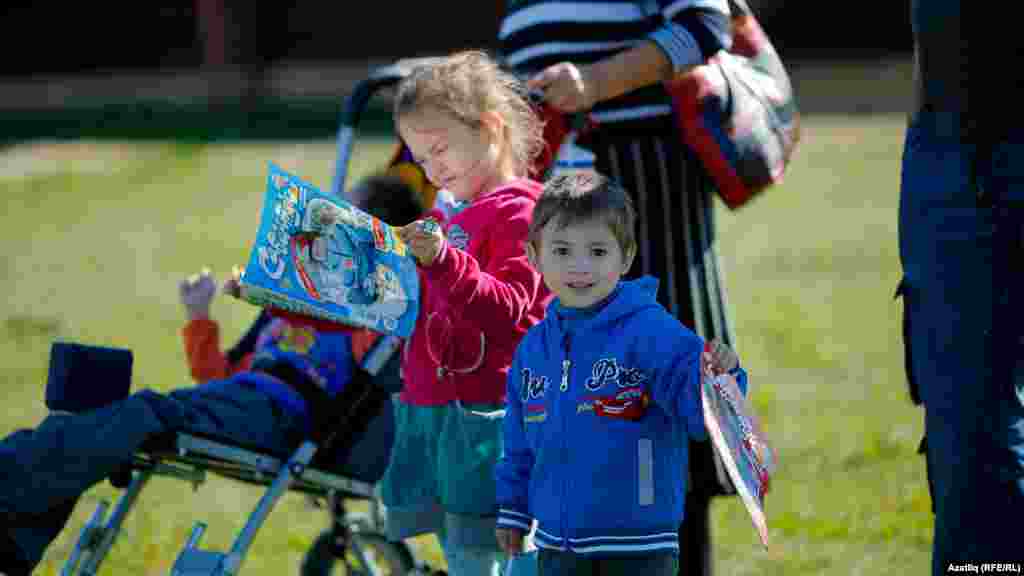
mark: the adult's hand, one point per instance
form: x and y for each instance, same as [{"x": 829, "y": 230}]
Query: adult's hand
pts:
[
  {"x": 571, "y": 88},
  {"x": 567, "y": 87}
]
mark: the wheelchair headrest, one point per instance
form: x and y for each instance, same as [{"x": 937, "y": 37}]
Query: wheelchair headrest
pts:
[{"x": 83, "y": 377}]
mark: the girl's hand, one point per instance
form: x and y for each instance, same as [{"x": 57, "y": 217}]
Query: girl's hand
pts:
[
  {"x": 510, "y": 540},
  {"x": 196, "y": 292},
  {"x": 233, "y": 285},
  {"x": 425, "y": 240},
  {"x": 567, "y": 87},
  {"x": 720, "y": 357}
]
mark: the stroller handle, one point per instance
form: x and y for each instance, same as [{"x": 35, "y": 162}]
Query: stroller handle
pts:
[
  {"x": 355, "y": 104},
  {"x": 382, "y": 77}
]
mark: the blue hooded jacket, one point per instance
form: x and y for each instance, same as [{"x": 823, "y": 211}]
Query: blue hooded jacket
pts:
[{"x": 596, "y": 427}]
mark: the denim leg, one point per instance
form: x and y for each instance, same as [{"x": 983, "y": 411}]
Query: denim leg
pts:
[
  {"x": 45, "y": 470},
  {"x": 956, "y": 230}
]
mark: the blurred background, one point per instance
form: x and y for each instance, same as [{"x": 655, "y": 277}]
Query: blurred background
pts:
[
  {"x": 155, "y": 70},
  {"x": 134, "y": 140}
]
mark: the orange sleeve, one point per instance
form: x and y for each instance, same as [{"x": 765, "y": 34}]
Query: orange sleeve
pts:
[{"x": 202, "y": 349}]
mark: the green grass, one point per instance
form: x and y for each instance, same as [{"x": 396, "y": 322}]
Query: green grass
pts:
[{"x": 96, "y": 235}]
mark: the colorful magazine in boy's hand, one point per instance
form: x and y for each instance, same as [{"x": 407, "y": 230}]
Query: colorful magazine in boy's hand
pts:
[
  {"x": 356, "y": 271},
  {"x": 740, "y": 441}
]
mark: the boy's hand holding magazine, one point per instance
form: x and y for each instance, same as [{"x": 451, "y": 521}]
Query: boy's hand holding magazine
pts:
[{"x": 735, "y": 431}]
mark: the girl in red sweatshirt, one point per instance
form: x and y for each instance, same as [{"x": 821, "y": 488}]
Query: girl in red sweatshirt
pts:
[{"x": 472, "y": 129}]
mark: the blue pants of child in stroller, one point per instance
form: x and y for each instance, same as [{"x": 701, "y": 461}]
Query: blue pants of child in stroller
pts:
[{"x": 45, "y": 470}]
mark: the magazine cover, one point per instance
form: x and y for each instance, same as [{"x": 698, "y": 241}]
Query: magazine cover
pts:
[
  {"x": 741, "y": 443},
  {"x": 356, "y": 272}
]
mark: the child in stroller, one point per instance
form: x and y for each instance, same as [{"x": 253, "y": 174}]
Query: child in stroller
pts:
[{"x": 281, "y": 390}]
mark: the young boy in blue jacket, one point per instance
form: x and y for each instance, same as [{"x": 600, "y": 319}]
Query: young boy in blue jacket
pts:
[{"x": 601, "y": 397}]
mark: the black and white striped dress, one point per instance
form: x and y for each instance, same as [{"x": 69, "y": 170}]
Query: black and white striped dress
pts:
[{"x": 637, "y": 144}]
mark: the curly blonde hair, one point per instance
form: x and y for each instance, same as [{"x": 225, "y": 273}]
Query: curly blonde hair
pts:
[{"x": 468, "y": 84}]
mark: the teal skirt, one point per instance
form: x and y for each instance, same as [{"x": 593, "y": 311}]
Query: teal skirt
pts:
[{"x": 442, "y": 465}]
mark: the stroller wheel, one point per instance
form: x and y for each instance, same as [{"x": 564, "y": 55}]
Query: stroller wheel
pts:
[{"x": 387, "y": 558}]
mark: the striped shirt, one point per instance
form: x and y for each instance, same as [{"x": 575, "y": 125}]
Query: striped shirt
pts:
[{"x": 538, "y": 33}]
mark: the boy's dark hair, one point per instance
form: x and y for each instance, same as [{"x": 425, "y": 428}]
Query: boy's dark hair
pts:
[
  {"x": 580, "y": 196},
  {"x": 389, "y": 198}
]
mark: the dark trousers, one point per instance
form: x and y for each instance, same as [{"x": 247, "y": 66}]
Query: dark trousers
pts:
[
  {"x": 44, "y": 471},
  {"x": 673, "y": 196},
  {"x": 552, "y": 563},
  {"x": 962, "y": 247}
]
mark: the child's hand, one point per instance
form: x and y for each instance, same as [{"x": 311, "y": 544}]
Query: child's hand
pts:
[
  {"x": 233, "y": 285},
  {"x": 510, "y": 540},
  {"x": 720, "y": 357},
  {"x": 425, "y": 240},
  {"x": 196, "y": 293}
]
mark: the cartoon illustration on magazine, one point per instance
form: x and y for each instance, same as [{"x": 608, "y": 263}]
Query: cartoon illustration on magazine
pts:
[
  {"x": 392, "y": 300},
  {"x": 322, "y": 257},
  {"x": 333, "y": 267}
]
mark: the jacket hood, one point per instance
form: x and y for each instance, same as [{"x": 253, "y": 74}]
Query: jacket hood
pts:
[{"x": 629, "y": 297}]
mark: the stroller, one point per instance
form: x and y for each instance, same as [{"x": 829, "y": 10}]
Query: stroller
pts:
[
  {"x": 354, "y": 543},
  {"x": 190, "y": 456}
]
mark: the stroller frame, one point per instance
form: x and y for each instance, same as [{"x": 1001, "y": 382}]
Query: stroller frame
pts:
[
  {"x": 190, "y": 460},
  {"x": 189, "y": 457}
]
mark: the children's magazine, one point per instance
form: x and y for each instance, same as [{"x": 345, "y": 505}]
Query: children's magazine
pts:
[
  {"x": 356, "y": 272},
  {"x": 741, "y": 443}
]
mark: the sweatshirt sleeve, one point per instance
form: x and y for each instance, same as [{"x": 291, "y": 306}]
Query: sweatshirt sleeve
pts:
[
  {"x": 512, "y": 472},
  {"x": 676, "y": 377},
  {"x": 692, "y": 31},
  {"x": 205, "y": 358},
  {"x": 506, "y": 289},
  {"x": 202, "y": 350}
]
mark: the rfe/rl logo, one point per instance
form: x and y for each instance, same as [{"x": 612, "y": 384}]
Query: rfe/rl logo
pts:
[{"x": 532, "y": 387}]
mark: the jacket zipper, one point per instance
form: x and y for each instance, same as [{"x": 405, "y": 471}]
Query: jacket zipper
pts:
[{"x": 566, "y": 365}]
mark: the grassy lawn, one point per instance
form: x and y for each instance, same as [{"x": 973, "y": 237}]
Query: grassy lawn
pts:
[{"x": 96, "y": 235}]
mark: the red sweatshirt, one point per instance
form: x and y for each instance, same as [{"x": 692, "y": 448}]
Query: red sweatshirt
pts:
[{"x": 479, "y": 297}]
